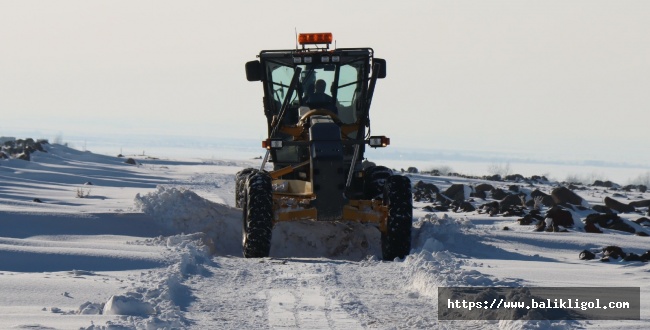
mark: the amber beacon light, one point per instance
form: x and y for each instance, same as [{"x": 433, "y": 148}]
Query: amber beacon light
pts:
[{"x": 315, "y": 38}]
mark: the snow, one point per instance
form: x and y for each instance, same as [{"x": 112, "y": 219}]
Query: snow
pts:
[{"x": 158, "y": 246}]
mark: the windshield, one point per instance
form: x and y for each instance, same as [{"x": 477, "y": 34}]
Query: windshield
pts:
[{"x": 341, "y": 84}]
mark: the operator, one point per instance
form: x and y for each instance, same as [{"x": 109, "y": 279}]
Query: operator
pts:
[{"x": 319, "y": 99}]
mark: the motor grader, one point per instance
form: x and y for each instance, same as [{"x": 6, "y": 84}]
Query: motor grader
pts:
[{"x": 316, "y": 143}]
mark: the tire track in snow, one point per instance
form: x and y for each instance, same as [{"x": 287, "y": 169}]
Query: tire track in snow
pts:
[
  {"x": 303, "y": 302},
  {"x": 306, "y": 308}
]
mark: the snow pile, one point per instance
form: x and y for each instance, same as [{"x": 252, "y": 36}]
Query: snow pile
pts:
[
  {"x": 127, "y": 305},
  {"x": 157, "y": 298},
  {"x": 183, "y": 211},
  {"x": 430, "y": 264},
  {"x": 432, "y": 234}
]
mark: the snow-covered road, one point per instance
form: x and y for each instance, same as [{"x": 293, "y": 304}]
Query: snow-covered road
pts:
[{"x": 308, "y": 294}]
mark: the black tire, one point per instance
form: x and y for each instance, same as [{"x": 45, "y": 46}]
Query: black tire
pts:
[
  {"x": 396, "y": 242},
  {"x": 240, "y": 185},
  {"x": 375, "y": 180},
  {"x": 257, "y": 216}
]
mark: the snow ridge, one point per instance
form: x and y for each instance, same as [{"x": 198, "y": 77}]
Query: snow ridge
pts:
[
  {"x": 158, "y": 299},
  {"x": 181, "y": 210}
]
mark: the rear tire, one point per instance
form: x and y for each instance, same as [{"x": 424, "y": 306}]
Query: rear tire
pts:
[
  {"x": 375, "y": 180},
  {"x": 257, "y": 216},
  {"x": 396, "y": 242}
]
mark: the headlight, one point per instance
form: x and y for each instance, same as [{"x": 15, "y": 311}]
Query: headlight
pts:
[{"x": 378, "y": 141}]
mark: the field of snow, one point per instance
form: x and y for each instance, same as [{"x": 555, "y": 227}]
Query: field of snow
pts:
[{"x": 88, "y": 241}]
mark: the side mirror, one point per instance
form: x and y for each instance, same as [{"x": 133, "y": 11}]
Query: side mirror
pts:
[
  {"x": 382, "y": 67},
  {"x": 253, "y": 71}
]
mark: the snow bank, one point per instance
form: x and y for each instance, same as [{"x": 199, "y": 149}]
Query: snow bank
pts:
[
  {"x": 183, "y": 211},
  {"x": 431, "y": 265},
  {"x": 156, "y": 299}
]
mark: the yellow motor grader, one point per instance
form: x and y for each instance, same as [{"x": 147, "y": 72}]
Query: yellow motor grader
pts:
[{"x": 317, "y": 102}]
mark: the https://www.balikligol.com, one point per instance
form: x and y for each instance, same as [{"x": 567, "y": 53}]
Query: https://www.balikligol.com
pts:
[{"x": 536, "y": 303}]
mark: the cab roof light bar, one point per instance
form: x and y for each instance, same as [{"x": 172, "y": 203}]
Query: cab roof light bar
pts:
[
  {"x": 315, "y": 38},
  {"x": 321, "y": 38}
]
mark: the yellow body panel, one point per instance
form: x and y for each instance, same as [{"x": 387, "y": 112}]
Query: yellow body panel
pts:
[{"x": 294, "y": 205}]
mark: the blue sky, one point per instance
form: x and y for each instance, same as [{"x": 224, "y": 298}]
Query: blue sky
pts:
[{"x": 553, "y": 79}]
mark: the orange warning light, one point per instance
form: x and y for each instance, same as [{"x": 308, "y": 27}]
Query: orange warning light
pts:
[{"x": 315, "y": 38}]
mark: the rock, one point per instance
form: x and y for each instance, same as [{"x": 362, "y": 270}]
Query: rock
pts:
[
  {"x": 586, "y": 255},
  {"x": 513, "y": 188},
  {"x": 643, "y": 221},
  {"x": 466, "y": 207},
  {"x": 514, "y": 211},
  {"x": 36, "y": 200},
  {"x": 632, "y": 257},
  {"x": 130, "y": 161},
  {"x": 525, "y": 221},
  {"x": 641, "y": 233},
  {"x": 614, "y": 252},
  {"x": 591, "y": 228},
  {"x": 643, "y": 203},
  {"x": 412, "y": 170},
  {"x": 484, "y": 187},
  {"x": 606, "y": 184},
  {"x": 442, "y": 199},
  {"x": 424, "y": 192},
  {"x": 38, "y": 146},
  {"x": 547, "y": 200},
  {"x": 618, "y": 206},
  {"x": 491, "y": 208},
  {"x": 628, "y": 188},
  {"x": 560, "y": 217},
  {"x": 456, "y": 192},
  {"x": 609, "y": 221},
  {"x": 429, "y": 208},
  {"x": 499, "y": 194},
  {"x": 24, "y": 156},
  {"x": 515, "y": 177},
  {"x": 563, "y": 195},
  {"x": 541, "y": 226},
  {"x": 646, "y": 256},
  {"x": 495, "y": 177},
  {"x": 539, "y": 178},
  {"x": 602, "y": 209},
  {"x": 530, "y": 218},
  {"x": 642, "y": 188},
  {"x": 509, "y": 201},
  {"x": 506, "y": 228},
  {"x": 478, "y": 194},
  {"x": 481, "y": 190}
]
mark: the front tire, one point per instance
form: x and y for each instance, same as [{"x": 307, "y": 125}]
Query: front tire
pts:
[
  {"x": 240, "y": 185},
  {"x": 375, "y": 180},
  {"x": 396, "y": 241},
  {"x": 257, "y": 216}
]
